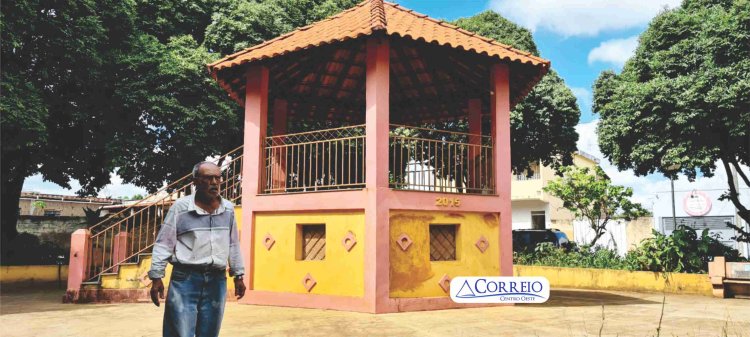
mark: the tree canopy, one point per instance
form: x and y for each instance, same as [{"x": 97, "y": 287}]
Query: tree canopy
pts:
[
  {"x": 543, "y": 124},
  {"x": 95, "y": 87},
  {"x": 681, "y": 103}
]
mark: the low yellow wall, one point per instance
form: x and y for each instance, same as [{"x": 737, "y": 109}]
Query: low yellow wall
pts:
[
  {"x": 131, "y": 276},
  {"x": 341, "y": 273},
  {"x": 31, "y": 274},
  {"x": 609, "y": 279},
  {"x": 412, "y": 272}
]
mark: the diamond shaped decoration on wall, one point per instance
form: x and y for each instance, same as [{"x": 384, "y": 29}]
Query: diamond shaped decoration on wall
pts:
[
  {"x": 349, "y": 241},
  {"x": 404, "y": 241},
  {"x": 268, "y": 241},
  {"x": 445, "y": 283},
  {"x": 482, "y": 244},
  {"x": 308, "y": 282}
]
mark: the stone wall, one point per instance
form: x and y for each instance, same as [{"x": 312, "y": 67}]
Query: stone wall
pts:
[{"x": 39, "y": 225}]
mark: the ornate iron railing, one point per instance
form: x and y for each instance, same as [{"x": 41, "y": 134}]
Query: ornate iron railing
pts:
[
  {"x": 132, "y": 231},
  {"x": 331, "y": 159},
  {"x": 431, "y": 160}
]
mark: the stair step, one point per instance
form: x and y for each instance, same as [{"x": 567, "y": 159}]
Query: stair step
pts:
[{"x": 103, "y": 274}]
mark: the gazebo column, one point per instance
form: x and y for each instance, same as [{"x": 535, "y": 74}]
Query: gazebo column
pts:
[
  {"x": 256, "y": 114},
  {"x": 377, "y": 267},
  {"x": 500, "y": 112},
  {"x": 475, "y": 142},
  {"x": 279, "y": 155}
]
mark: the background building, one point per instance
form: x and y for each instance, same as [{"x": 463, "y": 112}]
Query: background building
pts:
[
  {"x": 535, "y": 209},
  {"x": 701, "y": 209},
  {"x": 39, "y": 204}
]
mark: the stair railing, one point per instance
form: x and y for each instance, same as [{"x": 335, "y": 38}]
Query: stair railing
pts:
[{"x": 126, "y": 234}]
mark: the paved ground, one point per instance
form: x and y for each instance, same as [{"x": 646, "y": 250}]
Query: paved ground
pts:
[{"x": 568, "y": 313}]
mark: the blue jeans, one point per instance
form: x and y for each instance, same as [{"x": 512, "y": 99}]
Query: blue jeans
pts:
[{"x": 195, "y": 303}]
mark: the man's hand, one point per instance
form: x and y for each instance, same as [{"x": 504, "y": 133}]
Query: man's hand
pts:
[
  {"x": 157, "y": 291},
  {"x": 239, "y": 288}
]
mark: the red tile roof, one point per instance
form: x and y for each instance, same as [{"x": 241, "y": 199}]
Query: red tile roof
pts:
[
  {"x": 368, "y": 17},
  {"x": 371, "y": 16}
]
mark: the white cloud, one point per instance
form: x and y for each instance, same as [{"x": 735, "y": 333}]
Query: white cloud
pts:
[
  {"x": 581, "y": 17},
  {"x": 117, "y": 188},
  {"x": 584, "y": 98},
  {"x": 615, "y": 51},
  {"x": 645, "y": 188}
]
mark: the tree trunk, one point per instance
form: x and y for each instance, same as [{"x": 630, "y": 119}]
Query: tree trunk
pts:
[
  {"x": 734, "y": 196},
  {"x": 10, "y": 194},
  {"x": 599, "y": 230}
]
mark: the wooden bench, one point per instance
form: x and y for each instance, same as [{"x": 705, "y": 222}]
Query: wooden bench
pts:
[{"x": 729, "y": 279}]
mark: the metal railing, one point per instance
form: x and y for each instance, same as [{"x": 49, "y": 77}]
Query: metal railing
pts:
[
  {"x": 324, "y": 160},
  {"x": 524, "y": 176},
  {"x": 123, "y": 236},
  {"x": 424, "y": 159}
]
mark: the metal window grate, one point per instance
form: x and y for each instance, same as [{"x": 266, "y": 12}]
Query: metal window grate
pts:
[
  {"x": 313, "y": 242},
  {"x": 443, "y": 242},
  {"x": 698, "y": 222}
]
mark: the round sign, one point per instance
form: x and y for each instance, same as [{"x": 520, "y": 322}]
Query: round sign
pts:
[{"x": 696, "y": 204}]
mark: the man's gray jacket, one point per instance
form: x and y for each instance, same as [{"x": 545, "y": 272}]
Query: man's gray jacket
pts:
[{"x": 192, "y": 236}]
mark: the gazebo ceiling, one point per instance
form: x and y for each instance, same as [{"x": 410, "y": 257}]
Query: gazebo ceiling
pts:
[{"x": 435, "y": 67}]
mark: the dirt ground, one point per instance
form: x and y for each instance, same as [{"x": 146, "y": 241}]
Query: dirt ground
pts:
[{"x": 567, "y": 313}]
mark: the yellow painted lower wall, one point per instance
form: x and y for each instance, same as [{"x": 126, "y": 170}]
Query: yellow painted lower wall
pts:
[
  {"x": 133, "y": 276},
  {"x": 32, "y": 274},
  {"x": 278, "y": 269},
  {"x": 412, "y": 272},
  {"x": 130, "y": 276},
  {"x": 609, "y": 279}
]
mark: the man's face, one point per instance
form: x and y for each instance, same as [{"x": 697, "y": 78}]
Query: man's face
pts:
[{"x": 208, "y": 181}]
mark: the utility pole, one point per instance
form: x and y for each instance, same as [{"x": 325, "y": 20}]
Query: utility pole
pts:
[{"x": 674, "y": 217}]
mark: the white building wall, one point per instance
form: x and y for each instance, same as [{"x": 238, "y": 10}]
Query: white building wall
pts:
[{"x": 521, "y": 212}]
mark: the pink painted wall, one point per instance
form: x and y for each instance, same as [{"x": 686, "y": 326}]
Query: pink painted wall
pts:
[{"x": 377, "y": 199}]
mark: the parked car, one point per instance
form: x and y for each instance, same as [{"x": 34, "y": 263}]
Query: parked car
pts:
[{"x": 528, "y": 239}]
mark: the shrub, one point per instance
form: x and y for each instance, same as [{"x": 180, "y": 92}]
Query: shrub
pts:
[
  {"x": 546, "y": 254},
  {"x": 29, "y": 249},
  {"x": 682, "y": 251}
]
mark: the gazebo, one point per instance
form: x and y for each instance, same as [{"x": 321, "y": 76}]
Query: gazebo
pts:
[{"x": 376, "y": 159}]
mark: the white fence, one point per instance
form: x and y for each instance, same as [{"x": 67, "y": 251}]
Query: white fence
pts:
[{"x": 615, "y": 237}]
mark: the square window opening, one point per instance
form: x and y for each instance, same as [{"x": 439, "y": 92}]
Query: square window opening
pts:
[
  {"x": 311, "y": 242},
  {"x": 443, "y": 242}
]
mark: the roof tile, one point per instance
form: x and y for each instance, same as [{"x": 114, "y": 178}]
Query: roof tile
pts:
[
  {"x": 370, "y": 16},
  {"x": 365, "y": 19}
]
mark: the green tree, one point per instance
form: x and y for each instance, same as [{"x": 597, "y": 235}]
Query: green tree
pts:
[
  {"x": 56, "y": 102},
  {"x": 245, "y": 23},
  {"x": 543, "y": 124},
  {"x": 681, "y": 103},
  {"x": 89, "y": 87},
  {"x": 590, "y": 196}
]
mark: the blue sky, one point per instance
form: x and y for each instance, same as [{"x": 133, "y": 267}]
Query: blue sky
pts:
[
  {"x": 568, "y": 48},
  {"x": 580, "y": 37}
]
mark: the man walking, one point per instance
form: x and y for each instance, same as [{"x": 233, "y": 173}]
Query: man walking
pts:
[{"x": 198, "y": 237}]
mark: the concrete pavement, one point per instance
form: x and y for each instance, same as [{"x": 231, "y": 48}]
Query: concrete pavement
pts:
[{"x": 567, "y": 313}]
